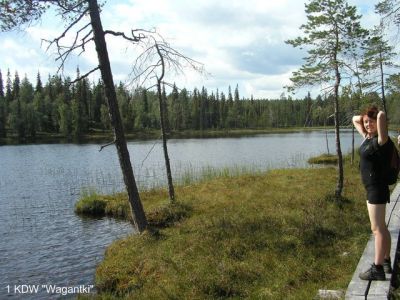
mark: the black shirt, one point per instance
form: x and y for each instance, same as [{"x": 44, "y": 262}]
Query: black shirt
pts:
[{"x": 372, "y": 156}]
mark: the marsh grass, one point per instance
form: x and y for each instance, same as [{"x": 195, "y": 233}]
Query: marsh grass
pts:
[
  {"x": 190, "y": 175},
  {"x": 273, "y": 235},
  {"x": 326, "y": 159}
]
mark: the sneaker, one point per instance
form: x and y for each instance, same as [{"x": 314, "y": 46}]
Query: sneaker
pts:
[
  {"x": 376, "y": 272},
  {"x": 387, "y": 266}
]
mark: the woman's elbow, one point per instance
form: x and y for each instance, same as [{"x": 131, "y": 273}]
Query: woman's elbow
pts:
[
  {"x": 356, "y": 120},
  {"x": 381, "y": 115}
]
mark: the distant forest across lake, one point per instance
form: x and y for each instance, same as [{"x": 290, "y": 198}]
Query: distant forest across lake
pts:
[{"x": 77, "y": 109}]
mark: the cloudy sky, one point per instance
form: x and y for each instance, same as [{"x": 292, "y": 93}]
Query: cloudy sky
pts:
[{"x": 239, "y": 42}]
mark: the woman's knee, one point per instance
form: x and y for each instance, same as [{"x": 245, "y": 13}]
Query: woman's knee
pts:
[{"x": 382, "y": 229}]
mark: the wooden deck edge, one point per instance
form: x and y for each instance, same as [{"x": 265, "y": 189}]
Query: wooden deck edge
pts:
[{"x": 357, "y": 288}]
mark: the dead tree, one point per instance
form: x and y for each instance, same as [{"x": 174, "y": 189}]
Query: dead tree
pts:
[
  {"x": 151, "y": 66},
  {"x": 16, "y": 13},
  {"x": 162, "y": 105}
]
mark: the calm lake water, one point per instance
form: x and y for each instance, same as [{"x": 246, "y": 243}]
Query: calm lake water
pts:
[{"x": 44, "y": 245}]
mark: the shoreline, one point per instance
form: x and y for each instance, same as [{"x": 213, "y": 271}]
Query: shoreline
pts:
[{"x": 106, "y": 137}]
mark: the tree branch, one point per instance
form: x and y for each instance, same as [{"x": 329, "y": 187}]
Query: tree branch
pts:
[
  {"x": 56, "y": 40},
  {"x": 68, "y": 9},
  {"x": 85, "y": 75},
  {"x": 133, "y": 39},
  {"x": 106, "y": 145}
]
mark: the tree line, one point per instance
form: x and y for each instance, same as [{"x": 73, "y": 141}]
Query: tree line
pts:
[{"x": 76, "y": 109}]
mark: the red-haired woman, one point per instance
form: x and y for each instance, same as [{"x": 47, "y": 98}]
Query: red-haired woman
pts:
[{"x": 372, "y": 125}]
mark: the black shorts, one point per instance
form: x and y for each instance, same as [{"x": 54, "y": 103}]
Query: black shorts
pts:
[{"x": 378, "y": 194}]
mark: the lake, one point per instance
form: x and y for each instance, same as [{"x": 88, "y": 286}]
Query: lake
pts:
[{"x": 44, "y": 245}]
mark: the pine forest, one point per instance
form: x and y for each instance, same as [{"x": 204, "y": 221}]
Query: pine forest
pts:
[{"x": 74, "y": 110}]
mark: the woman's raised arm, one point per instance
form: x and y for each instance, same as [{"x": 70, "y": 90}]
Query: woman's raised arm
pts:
[
  {"x": 382, "y": 128},
  {"x": 357, "y": 122}
]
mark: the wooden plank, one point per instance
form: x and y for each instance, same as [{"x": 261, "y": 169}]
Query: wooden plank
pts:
[{"x": 378, "y": 289}]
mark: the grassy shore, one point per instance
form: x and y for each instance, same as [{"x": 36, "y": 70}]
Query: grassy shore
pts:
[
  {"x": 324, "y": 159},
  {"x": 99, "y": 136},
  {"x": 275, "y": 235}
]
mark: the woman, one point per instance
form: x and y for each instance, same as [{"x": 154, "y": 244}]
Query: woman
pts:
[{"x": 373, "y": 127}]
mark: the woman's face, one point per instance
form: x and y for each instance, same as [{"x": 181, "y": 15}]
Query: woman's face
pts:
[{"x": 369, "y": 125}]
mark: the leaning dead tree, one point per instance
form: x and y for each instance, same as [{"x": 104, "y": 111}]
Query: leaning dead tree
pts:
[
  {"x": 157, "y": 59},
  {"x": 83, "y": 18}
]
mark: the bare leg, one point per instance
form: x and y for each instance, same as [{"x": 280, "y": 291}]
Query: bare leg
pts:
[{"x": 382, "y": 236}]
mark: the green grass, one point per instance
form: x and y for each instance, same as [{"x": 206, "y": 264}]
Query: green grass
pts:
[
  {"x": 274, "y": 235},
  {"x": 325, "y": 159}
]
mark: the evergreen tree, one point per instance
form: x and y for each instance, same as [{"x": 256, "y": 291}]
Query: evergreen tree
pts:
[
  {"x": 3, "y": 116},
  {"x": 49, "y": 120},
  {"x": 39, "y": 85},
  {"x": 17, "y": 123},
  {"x": 331, "y": 32},
  {"x": 82, "y": 96},
  {"x": 185, "y": 109},
  {"x": 66, "y": 119},
  {"x": 26, "y": 91},
  {"x": 77, "y": 121},
  {"x": 39, "y": 107},
  {"x": 3, "y": 124},
  {"x": 203, "y": 118},
  {"x": 125, "y": 107},
  {"x": 166, "y": 111},
  {"x": 9, "y": 96},
  {"x": 223, "y": 112},
  {"x": 195, "y": 110},
  {"x": 98, "y": 100},
  {"x": 378, "y": 55},
  {"x": 142, "y": 110},
  {"x": 238, "y": 109},
  {"x": 175, "y": 112},
  {"x": 1, "y": 86},
  {"x": 390, "y": 12},
  {"x": 29, "y": 118},
  {"x": 16, "y": 86},
  {"x": 105, "y": 118},
  {"x": 231, "y": 111}
]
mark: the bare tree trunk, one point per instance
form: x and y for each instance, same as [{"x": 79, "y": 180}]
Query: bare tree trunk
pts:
[
  {"x": 162, "y": 123},
  {"x": 352, "y": 144},
  {"x": 382, "y": 85},
  {"x": 352, "y": 131},
  {"x": 326, "y": 140},
  {"x": 164, "y": 142},
  {"x": 326, "y": 137},
  {"x": 339, "y": 185},
  {"x": 138, "y": 215}
]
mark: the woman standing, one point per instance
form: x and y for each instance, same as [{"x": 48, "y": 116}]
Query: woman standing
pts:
[{"x": 372, "y": 126}]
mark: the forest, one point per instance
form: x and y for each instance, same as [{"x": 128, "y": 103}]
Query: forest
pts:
[{"x": 76, "y": 109}]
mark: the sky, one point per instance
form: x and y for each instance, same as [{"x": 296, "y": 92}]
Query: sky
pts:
[{"x": 238, "y": 42}]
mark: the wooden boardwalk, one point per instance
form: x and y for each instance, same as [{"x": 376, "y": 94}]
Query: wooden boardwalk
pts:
[{"x": 361, "y": 289}]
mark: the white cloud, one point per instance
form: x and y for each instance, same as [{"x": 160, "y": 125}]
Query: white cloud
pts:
[{"x": 240, "y": 42}]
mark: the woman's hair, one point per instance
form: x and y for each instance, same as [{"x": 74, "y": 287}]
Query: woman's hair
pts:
[{"x": 371, "y": 111}]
